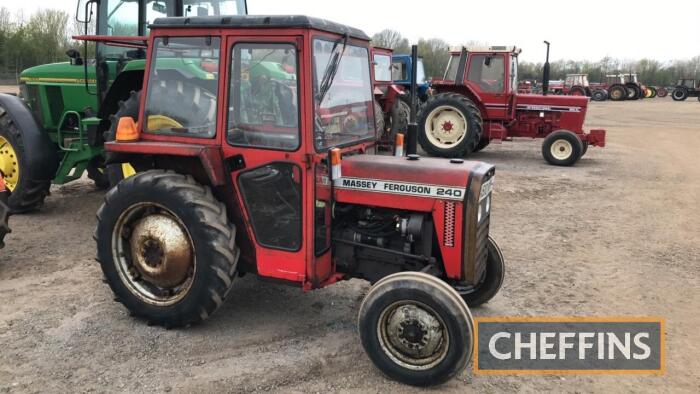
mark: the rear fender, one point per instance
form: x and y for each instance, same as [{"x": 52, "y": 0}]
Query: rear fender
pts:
[{"x": 43, "y": 158}]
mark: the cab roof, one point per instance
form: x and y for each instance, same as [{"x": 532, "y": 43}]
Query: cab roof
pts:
[
  {"x": 493, "y": 48},
  {"x": 259, "y": 22}
]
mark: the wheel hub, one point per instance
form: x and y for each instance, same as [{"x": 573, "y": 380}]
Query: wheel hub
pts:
[
  {"x": 446, "y": 127},
  {"x": 415, "y": 333},
  {"x": 9, "y": 166},
  {"x": 561, "y": 149},
  {"x": 160, "y": 250}
]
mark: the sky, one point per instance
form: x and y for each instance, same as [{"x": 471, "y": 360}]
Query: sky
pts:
[{"x": 579, "y": 30}]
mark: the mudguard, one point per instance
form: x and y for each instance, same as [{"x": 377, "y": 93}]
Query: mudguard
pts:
[{"x": 43, "y": 158}]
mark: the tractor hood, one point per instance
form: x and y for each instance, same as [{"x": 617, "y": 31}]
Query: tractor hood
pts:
[
  {"x": 554, "y": 101},
  {"x": 394, "y": 179},
  {"x": 62, "y": 72}
]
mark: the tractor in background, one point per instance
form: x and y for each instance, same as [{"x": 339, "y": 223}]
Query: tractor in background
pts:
[
  {"x": 477, "y": 102},
  {"x": 55, "y": 130},
  {"x": 578, "y": 85},
  {"x": 278, "y": 180},
  {"x": 391, "y": 101},
  {"x": 401, "y": 70},
  {"x": 686, "y": 88}
]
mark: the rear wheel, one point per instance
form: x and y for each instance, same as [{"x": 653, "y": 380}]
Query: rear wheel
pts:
[
  {"x": 166, "y": 248},
  {"x": 679, "y": 93},
  {"x": 654, "y": 93},
  {"x": 599, "y": 95},
  {"x": 617, "y": 93},
  {"x": 449, "y": 125},
  {"x": 416, "y": 329},
  {"x": 577, "y": 91},
  {"x": 662, "y": 92},
  {"x": 483, "y": 143},
  {"x": 562, "y": 148},
  {"x": 493, "y": 279},
  {"x": 379, "y": 123},
  {"x": 633, "y": 91},
  {"x": 26, "y": 193}
]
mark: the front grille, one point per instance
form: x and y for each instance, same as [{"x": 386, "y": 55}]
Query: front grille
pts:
[
  {"x": 481, "y": 253},
  {"x": 449, "y": 231}
]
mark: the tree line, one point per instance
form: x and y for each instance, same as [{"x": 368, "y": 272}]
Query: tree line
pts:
[
  {"x": 45, "y": 36},
  {"x": 435, "y": 54}
]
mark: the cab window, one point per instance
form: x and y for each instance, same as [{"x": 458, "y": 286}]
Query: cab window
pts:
[
  {"x": 382, "y": 68},
  {"x": 263, "y": 102},
  {"x": 183, "y": 87},
  {"x": 487, "y": 72},
  {"x": 398, "y": 71}
]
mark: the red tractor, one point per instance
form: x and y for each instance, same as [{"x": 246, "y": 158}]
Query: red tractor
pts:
[
  {"x": 391, "y": 103},
  {"x": 578, "y": 85},
  {"x": 477, "y": 102},
  {"x": 272, "y": 173}
]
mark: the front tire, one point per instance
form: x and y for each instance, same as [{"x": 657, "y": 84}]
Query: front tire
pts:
[
  {"x": 599, "y": 95},
  {"x": 449, "y": 125},
  {"x": 562, "y": 148},
  {"x": 493, "y": 279},
  {"x": 166, "y": 248},
  {"x": 680, "y": 94},
  {"x": 27, "y": 192},
  {"x": 416, "y": 329}
]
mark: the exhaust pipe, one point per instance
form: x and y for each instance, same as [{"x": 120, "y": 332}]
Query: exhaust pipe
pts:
[
  {"x": 545, "y": 72},
  {"x": 412, "y": 142}
]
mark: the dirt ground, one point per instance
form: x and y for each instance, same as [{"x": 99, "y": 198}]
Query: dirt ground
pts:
[{"x": 619, "y": 234}]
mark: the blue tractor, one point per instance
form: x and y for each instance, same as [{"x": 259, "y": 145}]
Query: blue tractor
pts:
[{"x": 401, "y": 69}]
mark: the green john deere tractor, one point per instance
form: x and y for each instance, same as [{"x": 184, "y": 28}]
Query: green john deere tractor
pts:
[{"x": 54, "y": 130}]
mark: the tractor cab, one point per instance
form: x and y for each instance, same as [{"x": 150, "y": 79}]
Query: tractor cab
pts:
[
  {"x": 576, "y": 80},
  {"x": 261, "y": 164}
]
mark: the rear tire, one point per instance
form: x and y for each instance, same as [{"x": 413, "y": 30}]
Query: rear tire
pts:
[
  {"x": 379, "y": 122},
  {"x": 617, "y": 93},
  {"x": 416, "y": 329},
  {"x": 192, "y": 263},
  {"x": 654, "y": 93},
  {"x": 26, "y": 193},
  {"x": 562, "y": 148},
  {"x": 680, "y": 94},
  {"x": 662, "y": 92},
  {"x": 449, "y": 125},
  {"x": 482, "y": 144},
  {"x": 599, "y": 95},
  {"x": 633, "y": 91},
  {"x": 577, "y": 91},
  {"x": 493, "y": 279}
]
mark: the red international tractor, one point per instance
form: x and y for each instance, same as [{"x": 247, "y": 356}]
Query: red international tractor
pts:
[
  {"x": 477, "y": 102},
  {"x": 273, "y": 175},
  {"x": 391, "y": 102},
  {"x": 578, "y": 85}
]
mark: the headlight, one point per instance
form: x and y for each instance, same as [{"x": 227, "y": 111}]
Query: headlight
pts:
[{"x": 485, "y": 199}]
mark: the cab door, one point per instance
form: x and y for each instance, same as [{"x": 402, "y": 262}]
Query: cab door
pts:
[
  {"x": 487, "y": 76},
  {"x": 263, "y": 149}
]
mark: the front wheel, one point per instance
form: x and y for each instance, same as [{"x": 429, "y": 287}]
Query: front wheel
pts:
[
  {"x": 493, "y": 278},
  {"x": 449, "y": 125},
  {"x": 416, "y": 329},
  {"x": 166, "y": 248},
  {"x": 599, "y": 95},
  {"x": 562, "y": 148}
]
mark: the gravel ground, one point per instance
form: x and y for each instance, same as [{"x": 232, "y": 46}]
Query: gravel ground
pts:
[{"x": 616, "y": 235}]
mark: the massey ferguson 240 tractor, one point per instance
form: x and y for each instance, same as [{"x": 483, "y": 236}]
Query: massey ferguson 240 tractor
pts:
[
  {"x": 478, "y": 102},
  {"x": 275, "y": 176}
]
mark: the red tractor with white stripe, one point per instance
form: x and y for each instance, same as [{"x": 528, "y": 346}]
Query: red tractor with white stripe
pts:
[
  {"x": 272, "y": 174},
  {"x": 477, "y": 102}
]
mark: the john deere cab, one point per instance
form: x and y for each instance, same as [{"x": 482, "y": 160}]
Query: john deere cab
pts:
[{"x": 54, "y": 131}]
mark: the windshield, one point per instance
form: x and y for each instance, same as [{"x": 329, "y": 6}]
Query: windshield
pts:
[
  {"x": 214, "y": 7},
  {"x": 452, "y": 65},
  {"x": 345, "y": 113},
  {"x": 420, "y": 73}
]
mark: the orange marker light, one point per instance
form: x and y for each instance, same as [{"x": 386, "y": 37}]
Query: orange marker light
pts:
[
  {"x": 127, "y": 129},
  {"x": 398, "y": 145},
  {"x": 335, "y": 164}
]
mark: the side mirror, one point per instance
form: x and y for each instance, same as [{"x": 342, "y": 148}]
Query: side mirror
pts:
[{"x": 74, "y": 56}]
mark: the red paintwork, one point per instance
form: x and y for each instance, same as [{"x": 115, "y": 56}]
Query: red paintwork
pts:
[
  {"x": 508, "y": 114},
  {"x": 302, "y": 266}
]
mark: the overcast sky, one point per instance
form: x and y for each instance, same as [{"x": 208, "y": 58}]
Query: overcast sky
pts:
[{"x": 579, "y": 29}]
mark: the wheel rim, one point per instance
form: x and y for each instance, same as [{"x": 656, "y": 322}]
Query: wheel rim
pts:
[
  {"x": 561, "y": 149},
  {"x": 445, "y": 127},
  {"x": 153, "y": 254},
  {"x": 9, "y": 165},
  {"x": 616, "y": 94},
  {"x": 413, "y": 335}
]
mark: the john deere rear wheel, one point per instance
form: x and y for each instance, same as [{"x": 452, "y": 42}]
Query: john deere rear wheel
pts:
[{"x": 26, "y": 193}]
